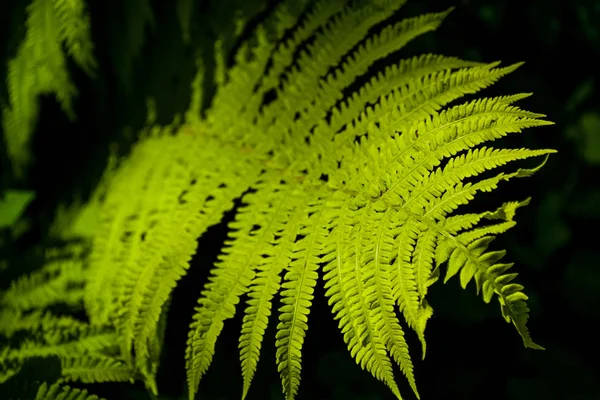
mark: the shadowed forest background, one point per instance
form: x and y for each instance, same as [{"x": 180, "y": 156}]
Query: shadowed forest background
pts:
[{"x": 472, "y": 352}]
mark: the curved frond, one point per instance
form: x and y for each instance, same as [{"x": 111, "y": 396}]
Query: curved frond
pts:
[
  {"x": 344, "y": 170},
  {"x": 374, "y": 181}
]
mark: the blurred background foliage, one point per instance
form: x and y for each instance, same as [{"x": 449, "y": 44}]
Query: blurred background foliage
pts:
[{"x": 473, "y": 353}]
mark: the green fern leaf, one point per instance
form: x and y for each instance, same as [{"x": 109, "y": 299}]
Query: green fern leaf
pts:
[
  {"x": 363, "y": 189},
  {"x": 395, "y": 161}
]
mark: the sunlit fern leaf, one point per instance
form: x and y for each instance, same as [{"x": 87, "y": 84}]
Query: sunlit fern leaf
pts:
[
  {"x": 239, "y": 95},
  {"x": 300, "y": 92},
  {"x": 360, "y": 186},
  {"x": 266, "y": 284},
  {"x": 300, "y": 280},
  {"x": 395, "y": 163}
]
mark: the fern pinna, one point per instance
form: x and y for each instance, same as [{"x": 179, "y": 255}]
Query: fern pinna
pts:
[{"x": 362, "y": 189}]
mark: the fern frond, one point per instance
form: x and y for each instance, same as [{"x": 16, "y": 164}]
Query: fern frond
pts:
[
  {"x": 40, "y": 68},
  {"x": 365, "y": 186},
  {"x": 60, "y": 392},
  {"x": 472, "y": 261},
  {"x": 62, "y": 340},
  {"x": 378, "y": 253},
  {"x": 59, "y": 281},
  {"x": 461, "y": 194},
  {"x": 338, "y": 36},
  {"x": 145, "y": 246},
  {"x": 344, "y": 275},
  {"x": 256, "y": 225},
  {"x": 296, "y": 298},
  {"x": 74, "y": 31},
  {"x": 236, "y": 95},
  {"x": 381, "y": 174},
  {"x": 267, "y": 282},
  {"x": 91, "y": 369},
  {"x": 389, "y": 40}
]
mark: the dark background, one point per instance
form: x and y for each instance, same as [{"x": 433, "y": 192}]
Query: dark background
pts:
[{"x": 472, "y": 352}]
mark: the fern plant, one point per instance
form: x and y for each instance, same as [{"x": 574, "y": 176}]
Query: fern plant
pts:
[
  {"x": 361, "y": 187},
  {"x": 39, "y": 67}
]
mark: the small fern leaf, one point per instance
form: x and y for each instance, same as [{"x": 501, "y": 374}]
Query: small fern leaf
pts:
[
  {"x": 283, "y": 227},
  {"x": 423, "y": 260},
  {"x": 389, "y": 40},
  {"x": 461, "y": 194},
  {"x": 296, "y": 298},
  {"x": 256, "y": 318},
  {"x": 473, "y": 261},
  {"x": 512, "y": 300},
  {"x": 378, "y": 252},
  {"x": 354, "y": 109},
  {"x": 255, "y": 225},
  {"x": 404, "y": 278},
  {"x": 515, "y": 309},
  {"x": 365, "y": 341},
  {"x": 91, "y": 369},
  {"x": 466, "y": 165}
]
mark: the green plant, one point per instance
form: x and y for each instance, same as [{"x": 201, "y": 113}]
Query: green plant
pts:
[
  {"x": 359, "y": 186},
  {"x": 39, "y": 67}
]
